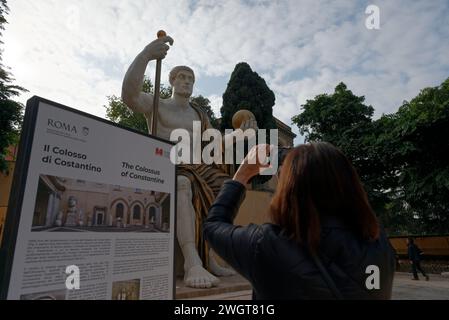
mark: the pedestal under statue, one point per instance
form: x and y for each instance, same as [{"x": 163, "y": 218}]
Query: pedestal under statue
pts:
[{"x": 197, "y": 185}]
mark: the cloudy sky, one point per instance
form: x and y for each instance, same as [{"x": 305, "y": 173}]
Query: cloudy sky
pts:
[{"x": 76, "y": 52}]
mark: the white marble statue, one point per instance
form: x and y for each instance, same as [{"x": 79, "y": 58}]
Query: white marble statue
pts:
[
  {"x": 81, "y": 218},
  {"x": 72, "y": 213},
  {"x": 58, "y": 221},
  {"x": 175, "y": 112}
]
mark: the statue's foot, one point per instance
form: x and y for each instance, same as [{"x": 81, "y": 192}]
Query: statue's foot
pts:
[
  {"x": 218, "y": 270},
  {"x": 198, "y": 277}
]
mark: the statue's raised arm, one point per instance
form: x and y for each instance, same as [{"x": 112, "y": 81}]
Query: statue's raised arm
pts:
[{"x": 132, "y": 94}]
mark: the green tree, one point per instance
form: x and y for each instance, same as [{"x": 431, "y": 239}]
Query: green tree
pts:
[
  {"x": 10, "y": 110},
  {"x": 401, "y": 157},
  {"x": 344, "y": 120},
  {"x": 420, "y": 131},
  {"x": 327, "y": 117},
  {"x": 247, "y": 90}
]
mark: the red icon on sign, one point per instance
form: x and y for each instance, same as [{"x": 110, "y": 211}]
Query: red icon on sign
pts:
[{"x": 159, "y": 152}]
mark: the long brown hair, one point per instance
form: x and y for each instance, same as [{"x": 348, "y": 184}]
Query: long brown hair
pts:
[{"x": 318, "y": 180}]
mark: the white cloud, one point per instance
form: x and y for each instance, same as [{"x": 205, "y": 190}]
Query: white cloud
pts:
[
  {"x": 77, "y": 52},
  {"x": 216, "y": 102}
]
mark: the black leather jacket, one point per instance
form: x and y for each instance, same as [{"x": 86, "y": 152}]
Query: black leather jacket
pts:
[{"x": 280, "y": 269}]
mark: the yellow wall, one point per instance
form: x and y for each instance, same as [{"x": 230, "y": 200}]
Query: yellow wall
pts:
[{"x": 254, "y": 209}]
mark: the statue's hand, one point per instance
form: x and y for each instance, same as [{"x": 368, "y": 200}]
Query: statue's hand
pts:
[
  {"x": 249, "y": 124},
  {"x": 158, "y": 48}
]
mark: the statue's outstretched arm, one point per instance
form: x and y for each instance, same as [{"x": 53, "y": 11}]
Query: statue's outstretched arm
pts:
[{"x": 132, "y": 94}]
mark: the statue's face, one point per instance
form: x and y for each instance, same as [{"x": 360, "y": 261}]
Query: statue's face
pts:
[{"x": 183, "y": 83}]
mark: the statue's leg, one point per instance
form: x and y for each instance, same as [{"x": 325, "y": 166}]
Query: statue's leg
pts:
[
  {"x": 195, "y": 275},
  {"x": 217, "y": 269}
]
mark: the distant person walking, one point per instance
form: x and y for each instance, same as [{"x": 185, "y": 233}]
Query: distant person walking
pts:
[{"x": 414, "y": 255}]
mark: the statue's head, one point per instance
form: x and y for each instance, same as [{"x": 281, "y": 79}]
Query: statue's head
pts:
[
  {"x": 72, "y": 201},
  {"x": 182, "y": 79}
]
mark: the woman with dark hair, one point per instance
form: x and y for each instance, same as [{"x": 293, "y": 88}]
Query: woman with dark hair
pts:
[{"x": 325, "y": 241}]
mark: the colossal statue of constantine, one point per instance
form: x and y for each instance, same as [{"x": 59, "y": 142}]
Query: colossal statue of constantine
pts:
[{"x": 197, "y": 184}]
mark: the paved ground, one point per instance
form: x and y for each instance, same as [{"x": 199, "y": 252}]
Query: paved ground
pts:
[
  {"x": 404, "y": 288},
  {"x": 437, "y": 288}
]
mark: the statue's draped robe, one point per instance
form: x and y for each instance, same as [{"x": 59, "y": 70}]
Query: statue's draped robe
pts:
[{"x": 206, "y": 181}]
